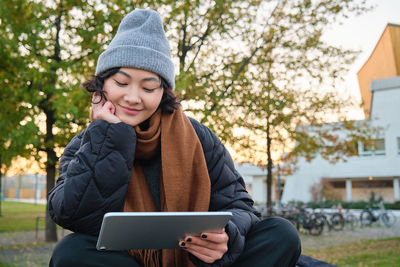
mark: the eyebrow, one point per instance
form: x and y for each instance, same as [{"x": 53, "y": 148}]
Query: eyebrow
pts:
[{"x": 147, "y": 79}]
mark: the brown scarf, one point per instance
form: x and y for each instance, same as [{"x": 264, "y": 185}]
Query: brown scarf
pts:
[{"x": 184, "y": 178}]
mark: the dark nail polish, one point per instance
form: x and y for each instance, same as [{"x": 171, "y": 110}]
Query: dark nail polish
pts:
[
  {"x": 203, "y": 236},
  {"x": 189, "y": 240},
  {"x": 183, "y": 244}
]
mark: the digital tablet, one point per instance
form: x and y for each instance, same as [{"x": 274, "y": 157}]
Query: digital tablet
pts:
[{"x": 155, "y": 230}]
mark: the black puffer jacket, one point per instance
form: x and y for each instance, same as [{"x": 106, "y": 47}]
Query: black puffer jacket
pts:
[{"x": 94, "y": 173}]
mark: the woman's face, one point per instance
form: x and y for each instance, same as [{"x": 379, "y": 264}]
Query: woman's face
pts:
[{"x": 135, "y": 93}]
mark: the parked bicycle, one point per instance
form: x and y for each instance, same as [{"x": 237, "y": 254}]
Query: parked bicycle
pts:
[
  {"x": 301, "y": 218},
  {"x": 370, "y": 215},
  {"x": 333, "y": 220},
  {"x": 350, "y": 220},
  {"x": 309, "y": 221}
]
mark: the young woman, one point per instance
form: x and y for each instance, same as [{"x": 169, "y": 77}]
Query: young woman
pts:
[{"x": 141, "y": 153}]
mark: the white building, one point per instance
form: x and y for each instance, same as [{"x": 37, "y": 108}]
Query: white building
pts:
[
  {"x": 255, "y": 179},
  {"x": 373, "y": 170}
]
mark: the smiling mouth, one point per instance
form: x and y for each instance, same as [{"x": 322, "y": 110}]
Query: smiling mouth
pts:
[{"x": 130, "y": 111}]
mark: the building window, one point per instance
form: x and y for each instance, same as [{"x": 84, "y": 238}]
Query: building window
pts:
[
  {"x": 376, "y": 183},
  {"x": 372, "y": 147},
  {"x": 339, "y": 184},
  {"x": 398, "y": 145}
]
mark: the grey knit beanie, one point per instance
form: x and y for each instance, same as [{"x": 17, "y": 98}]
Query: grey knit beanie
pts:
[{"x": 140, "y": 43}]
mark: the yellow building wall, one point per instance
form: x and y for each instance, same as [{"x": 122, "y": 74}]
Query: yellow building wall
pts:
[
  {"x": 10, "y": 193},
  {"x": 363, "y": 194},
  {"x": 359, "y": 194},
  {"x": 23, "y": 193},
  {"x": 384, "y": 62}
]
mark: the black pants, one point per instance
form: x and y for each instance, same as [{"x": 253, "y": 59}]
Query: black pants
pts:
[{"x": 271, "y": 242}]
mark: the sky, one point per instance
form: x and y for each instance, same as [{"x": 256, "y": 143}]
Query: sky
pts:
[{"x": 362, "y": 33}]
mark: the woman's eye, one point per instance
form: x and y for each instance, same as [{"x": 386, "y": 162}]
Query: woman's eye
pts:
[
  {"x": 120, "y": 84},
  {"x": 149, "y": 90}
]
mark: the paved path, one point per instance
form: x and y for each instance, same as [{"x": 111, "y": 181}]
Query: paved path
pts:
[
  {"x": 334, "y": 238},
  {"x": 26, "y": 237},
  {"x": 26, "y": 249},
  {"x": 22, "y": 249}
]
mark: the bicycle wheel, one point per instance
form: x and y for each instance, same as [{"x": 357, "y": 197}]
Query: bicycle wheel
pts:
[
  {"x": 294, "y": 219},
  {"x": 316, "y": 227},
  {"x": 351, "y": 221},
  {"x": 321, "y": 219},
  {"x": 388, "y": 219},
  {"x": 365, "y": 218},
  {"x": 337, "y": 221}
]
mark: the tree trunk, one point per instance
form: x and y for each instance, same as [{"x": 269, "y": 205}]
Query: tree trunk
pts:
[
  {"x": 51, "y": 229},
  {"x": 269, "y": 173}
]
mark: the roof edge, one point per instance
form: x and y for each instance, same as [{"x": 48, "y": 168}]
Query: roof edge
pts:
[
  {"x": 380, "y": 38},
  {"x": 385, "y": 84}
]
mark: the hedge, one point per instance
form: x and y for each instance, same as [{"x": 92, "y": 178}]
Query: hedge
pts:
[{"x": 348, "y": 205}]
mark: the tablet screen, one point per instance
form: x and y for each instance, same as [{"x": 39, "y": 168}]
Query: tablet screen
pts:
[{"x": 156, "y": 230}]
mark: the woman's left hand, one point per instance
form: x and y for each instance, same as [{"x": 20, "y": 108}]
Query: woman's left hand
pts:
[{"x": 208, "y": 247}]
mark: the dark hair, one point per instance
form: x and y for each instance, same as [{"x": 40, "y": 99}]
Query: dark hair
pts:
[{"x": 169, "y": 101}]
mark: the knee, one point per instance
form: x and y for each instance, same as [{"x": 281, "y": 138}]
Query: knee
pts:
[
  {"x": 288, "y": 233},
  {"x": 281, "y": 233},
  {"x": 277, "y": 240}
]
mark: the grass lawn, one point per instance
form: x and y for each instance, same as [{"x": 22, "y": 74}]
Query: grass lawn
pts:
[
  {"x": 17, "y": 216},
  {"x": 6, "y": 265},
  {"x": 381, "y": 252}
]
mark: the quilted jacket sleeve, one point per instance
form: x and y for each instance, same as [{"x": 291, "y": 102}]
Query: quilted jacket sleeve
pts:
[
  {"x": 94, "y": 173},
  {"x": 228, "y": 193}
]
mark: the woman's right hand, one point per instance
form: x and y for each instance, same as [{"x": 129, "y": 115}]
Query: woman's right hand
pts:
[{"x": 103, "y": 110}]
